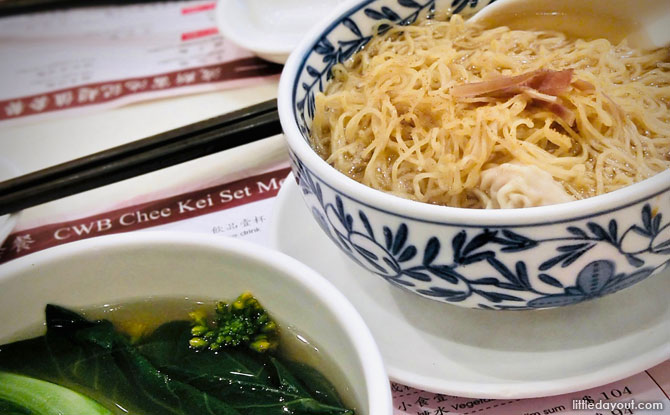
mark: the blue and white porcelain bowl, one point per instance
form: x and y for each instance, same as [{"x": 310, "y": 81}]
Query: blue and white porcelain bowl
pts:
[{"x": 509, "y": 259}]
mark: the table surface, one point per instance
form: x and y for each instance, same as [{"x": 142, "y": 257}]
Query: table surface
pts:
[{"x": 37, "y": 144}]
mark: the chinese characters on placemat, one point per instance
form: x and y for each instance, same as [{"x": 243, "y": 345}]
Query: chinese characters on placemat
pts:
[
  {"x": 109, "y": 56},
  {"x": 644, "y": 393},
  {"x": 242, "y": 209}
]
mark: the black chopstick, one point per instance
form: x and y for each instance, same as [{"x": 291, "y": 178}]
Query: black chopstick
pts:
[
  {"x": 141, "y": 146},
  {"x": 14, "y": 7},
  {"x": 143, "y": 156}
]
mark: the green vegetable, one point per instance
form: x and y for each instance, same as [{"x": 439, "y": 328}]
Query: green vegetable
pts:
[
  {"x": 163, "y": 374},
  {"x": 25, "y": 395},
  {"x": 244, "y": 322},
  {"x": 101, "y": 362},
  {"x": 251, "y": 382},
  {"x": 10, "y": 408}
]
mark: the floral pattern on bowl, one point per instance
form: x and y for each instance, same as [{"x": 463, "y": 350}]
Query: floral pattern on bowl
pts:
[
  {"x": 513, "y": 265},
  {"x": 504, "y": 268}
]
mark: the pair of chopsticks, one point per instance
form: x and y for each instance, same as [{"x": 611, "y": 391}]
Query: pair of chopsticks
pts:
[{"x": 143, "y": 156}]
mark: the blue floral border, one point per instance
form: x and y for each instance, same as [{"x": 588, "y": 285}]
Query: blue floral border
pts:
[{"x": 391, "y": 256}]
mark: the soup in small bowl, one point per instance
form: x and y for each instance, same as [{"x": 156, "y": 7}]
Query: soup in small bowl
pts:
[
  {"x": 483, "y": 167},
  {"x": 170, "y": 322}
]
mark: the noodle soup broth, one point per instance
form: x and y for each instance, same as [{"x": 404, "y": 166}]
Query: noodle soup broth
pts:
[
  {"x": 397, "y": 148},
  {"x": 451, "y": 113}
]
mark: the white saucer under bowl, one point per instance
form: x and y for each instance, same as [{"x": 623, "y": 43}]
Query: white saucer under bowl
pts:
[
  {"x": 271, "y": 29},
  {"x": 487, "y": 354}
]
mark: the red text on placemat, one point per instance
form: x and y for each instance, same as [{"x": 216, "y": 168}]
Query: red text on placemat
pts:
[
  {"x": 196, "y": 34},
  {"x": 198, "y": 8}
]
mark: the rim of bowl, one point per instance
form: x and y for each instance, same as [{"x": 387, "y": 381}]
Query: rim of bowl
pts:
[
  {"x": 369, "y": 356},
  {"x": 376, "y": 199}
]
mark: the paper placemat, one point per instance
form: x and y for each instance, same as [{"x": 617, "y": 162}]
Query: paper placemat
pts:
[{"x": 84, "y": 59}]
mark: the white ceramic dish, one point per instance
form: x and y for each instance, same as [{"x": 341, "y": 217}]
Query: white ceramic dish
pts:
[
  {"x": 487, "y": 354},
  {"x": 8, "y": 221},
  {"x": 118, "y": 268},
  {"x": 503, "y": 259},
  {"x": 271, "y": 29}
]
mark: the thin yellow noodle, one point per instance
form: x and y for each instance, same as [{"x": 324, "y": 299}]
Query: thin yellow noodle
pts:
[{"x": 388, "y": 118}]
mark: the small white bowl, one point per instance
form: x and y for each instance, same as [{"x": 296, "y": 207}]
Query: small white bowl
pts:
[
  {"x": 118, "y": 268},
  {"x": 269, "y": 28}
]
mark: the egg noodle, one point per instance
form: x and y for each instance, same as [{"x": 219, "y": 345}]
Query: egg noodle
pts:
[{"x": 389, "y": 118}]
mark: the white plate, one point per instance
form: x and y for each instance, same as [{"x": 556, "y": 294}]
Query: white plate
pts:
[
  {"x": 487, "y": 354},
  {"x": 7, "y": 222},
  {"x": 270, "y": 28}
]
